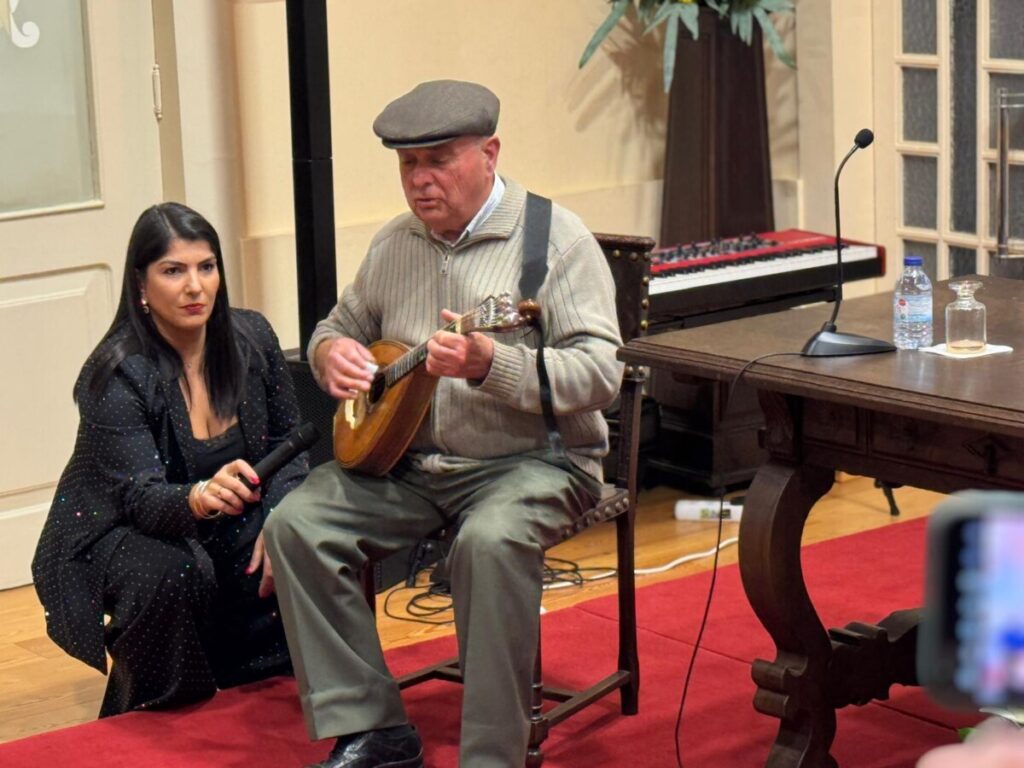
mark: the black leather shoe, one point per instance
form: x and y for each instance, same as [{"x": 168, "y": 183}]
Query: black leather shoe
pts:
[{"x": 397, "y": 747}]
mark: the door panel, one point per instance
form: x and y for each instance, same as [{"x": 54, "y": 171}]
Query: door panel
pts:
[{"x": 61, "y": 258}]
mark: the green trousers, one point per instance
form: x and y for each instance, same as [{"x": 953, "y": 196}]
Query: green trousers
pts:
[{"x": 508, "y": 511}]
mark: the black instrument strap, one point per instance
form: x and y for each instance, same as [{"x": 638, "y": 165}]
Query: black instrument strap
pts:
[{"x": 536, "y": 234}]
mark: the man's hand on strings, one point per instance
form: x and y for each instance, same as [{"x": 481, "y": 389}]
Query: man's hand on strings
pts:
[
  {"x": 343, "y": 367},
  {"x": 459, "y": 356}
]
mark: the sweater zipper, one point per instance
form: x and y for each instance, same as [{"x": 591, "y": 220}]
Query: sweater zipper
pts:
[
  {"x": 445, "y": 298},
  {"x": 446, "y": 261}
]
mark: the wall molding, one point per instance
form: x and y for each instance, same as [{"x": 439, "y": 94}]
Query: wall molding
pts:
[{"x": 19, "y": 531}]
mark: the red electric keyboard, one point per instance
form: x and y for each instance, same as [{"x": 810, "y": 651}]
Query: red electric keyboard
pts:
[{"x": 700, "y": 283}]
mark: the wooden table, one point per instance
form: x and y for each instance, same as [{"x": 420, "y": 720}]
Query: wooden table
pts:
[{"x": 908, "y": 418}]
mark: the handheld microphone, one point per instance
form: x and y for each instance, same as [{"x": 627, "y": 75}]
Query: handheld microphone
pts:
[
  {"x": 827, "y": 342},
  {"x": 301, "y": 439}
]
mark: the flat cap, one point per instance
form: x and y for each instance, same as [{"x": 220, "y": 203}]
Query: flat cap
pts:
[{"x": 436, "y": 112}]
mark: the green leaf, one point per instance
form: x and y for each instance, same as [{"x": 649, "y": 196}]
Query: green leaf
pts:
[
  {"x": 671, "y": 39},
  {"x": 646, "y": 9},
  {"x": 651, "y": 13},
  {"x": 619, "y": 8},
  {"x": 689, "y": 14},
  {"x": 964, "y": 732},
  {"x": 742, "y": 23},
  {"x": 664, "y": 11},
  {"x": 773, "y": 38},
  {"x": 777, "y": 6}
]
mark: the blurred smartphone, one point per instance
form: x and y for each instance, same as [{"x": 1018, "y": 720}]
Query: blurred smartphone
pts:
[{"x": 971, "y": 642}]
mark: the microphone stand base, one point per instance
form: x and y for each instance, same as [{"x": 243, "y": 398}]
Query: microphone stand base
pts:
[{"x": 832, "y": 344}]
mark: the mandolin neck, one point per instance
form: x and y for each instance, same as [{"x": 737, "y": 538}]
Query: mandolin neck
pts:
[
  {"x": 408, "y": 362},
  {"x": 494, "y": 315}
]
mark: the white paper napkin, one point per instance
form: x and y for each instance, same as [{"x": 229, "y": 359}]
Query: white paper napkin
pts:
[{"x": 990, "y": 349}]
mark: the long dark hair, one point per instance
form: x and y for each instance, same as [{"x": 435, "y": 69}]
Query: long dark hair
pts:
[{"x": 133, "y": 331}]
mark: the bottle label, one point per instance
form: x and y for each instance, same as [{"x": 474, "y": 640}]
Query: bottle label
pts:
[{"x": 913, "y": 309}]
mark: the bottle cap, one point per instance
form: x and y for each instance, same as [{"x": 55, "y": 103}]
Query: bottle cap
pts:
[{"x": 912, "y": 261}]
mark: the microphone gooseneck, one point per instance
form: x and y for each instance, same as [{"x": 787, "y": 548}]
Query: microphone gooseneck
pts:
[
  {"x": 828, "y": 342},
  {"x": 831, "y": 324}
]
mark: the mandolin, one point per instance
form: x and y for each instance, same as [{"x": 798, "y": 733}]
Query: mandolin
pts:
[{"x": 373, "y": 430}]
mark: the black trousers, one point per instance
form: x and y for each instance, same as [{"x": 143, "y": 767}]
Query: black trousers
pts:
[{"x": 185, "y": 618}]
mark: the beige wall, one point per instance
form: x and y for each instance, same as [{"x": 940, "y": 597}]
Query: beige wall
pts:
[
  {"x": 835, "y": 75},
  {"x": 782, "y": 94},
  {"x": 592, "y": 138},
  {"x": 589, "y": 138},
  {"x": 199, "y": 131}
]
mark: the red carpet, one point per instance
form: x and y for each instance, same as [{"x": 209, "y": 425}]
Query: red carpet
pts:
[{"x": 862, "y": 577}]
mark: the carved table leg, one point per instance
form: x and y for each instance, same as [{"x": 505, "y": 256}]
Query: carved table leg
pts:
[{"x": 794, "y": 687}]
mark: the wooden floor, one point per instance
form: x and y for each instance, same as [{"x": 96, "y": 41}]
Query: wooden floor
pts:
[{"x": 41, "y": 688}]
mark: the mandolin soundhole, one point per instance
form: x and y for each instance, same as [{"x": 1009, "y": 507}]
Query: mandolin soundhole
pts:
[{"x": 377, "y": 389}]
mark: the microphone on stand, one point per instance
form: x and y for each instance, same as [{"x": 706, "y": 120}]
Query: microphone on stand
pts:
[{"x": 828, "y": 342}]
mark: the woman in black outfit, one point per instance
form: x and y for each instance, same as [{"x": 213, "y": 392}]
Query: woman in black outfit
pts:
[{"x": 153, "y": 547}]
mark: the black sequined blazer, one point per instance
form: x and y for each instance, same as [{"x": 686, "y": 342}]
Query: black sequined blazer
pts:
[{"x": 131, "y": 469}]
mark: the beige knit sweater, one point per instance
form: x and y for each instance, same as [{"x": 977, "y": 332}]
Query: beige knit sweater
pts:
[{"x": 408, "y": 277}]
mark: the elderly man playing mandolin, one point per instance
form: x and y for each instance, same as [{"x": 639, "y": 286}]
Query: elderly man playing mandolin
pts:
[{"x": 508, "y": 452}]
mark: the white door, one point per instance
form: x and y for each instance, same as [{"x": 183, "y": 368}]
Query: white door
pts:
[{"x": 79, "y": 160}]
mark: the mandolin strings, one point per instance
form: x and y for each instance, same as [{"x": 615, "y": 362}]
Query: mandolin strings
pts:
[{"x": 404, "y": 365}]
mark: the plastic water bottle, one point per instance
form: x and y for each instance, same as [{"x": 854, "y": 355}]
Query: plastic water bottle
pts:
[{"x": 912, "y": 307}]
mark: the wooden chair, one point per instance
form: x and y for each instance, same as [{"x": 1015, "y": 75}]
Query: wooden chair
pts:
[{"x": 629, "y": 260}]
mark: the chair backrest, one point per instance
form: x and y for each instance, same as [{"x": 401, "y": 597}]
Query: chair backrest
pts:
[
  {"x": 630, "y": 261},
  {"x": 629, "y": 258}
]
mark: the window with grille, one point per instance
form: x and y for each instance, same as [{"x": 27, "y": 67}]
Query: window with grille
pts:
[{"x": 952, "y": 57}]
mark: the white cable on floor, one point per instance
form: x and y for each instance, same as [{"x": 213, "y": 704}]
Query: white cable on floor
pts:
[
  {"x": 687, "y": 558},
  {"x": 647, "y": 571}
]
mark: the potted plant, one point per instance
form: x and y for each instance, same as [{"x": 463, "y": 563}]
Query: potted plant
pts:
[
  {"x": 741, "y": 15},
  {"x": 717, "y": 177}
]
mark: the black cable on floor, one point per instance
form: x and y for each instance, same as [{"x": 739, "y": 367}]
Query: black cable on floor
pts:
[
  {"x": 714, "y": 565},
  {"x": 558, "y": 571},
  {"x": 425, "y": 604}
]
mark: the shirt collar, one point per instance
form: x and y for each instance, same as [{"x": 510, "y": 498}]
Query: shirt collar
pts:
[{"x": 497, "y": 192}]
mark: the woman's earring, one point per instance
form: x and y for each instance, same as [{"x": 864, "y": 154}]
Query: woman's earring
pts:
[{"x": 145, "y": 306}]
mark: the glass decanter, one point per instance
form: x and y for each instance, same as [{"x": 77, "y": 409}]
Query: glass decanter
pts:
[{"x": 965, "y": 319}]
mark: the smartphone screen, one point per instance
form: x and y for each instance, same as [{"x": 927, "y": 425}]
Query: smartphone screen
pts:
[{"x": 987, "y": 589}]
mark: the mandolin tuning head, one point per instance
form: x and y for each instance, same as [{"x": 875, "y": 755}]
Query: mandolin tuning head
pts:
[
  {"x": 496, "y": 313},
  {"x": 529, "y": 310}
]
